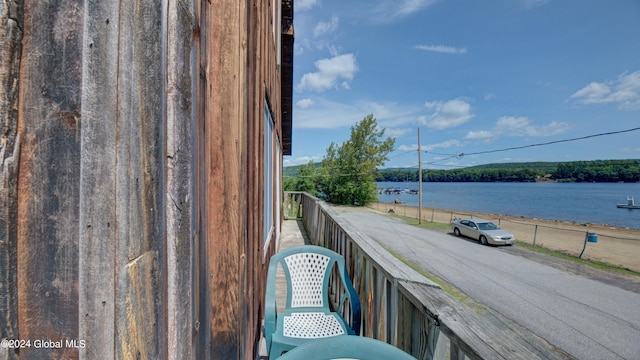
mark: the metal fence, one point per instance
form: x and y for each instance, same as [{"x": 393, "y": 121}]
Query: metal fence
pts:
[{"x": 615, "y": 246}]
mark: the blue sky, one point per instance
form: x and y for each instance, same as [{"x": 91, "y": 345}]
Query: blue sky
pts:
[{"x": 474, "y": 76}]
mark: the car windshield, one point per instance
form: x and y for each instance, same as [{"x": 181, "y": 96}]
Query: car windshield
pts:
[{"x": 488, "y": 226}]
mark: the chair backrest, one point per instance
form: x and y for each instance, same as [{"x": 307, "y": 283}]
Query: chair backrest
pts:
[{"x": 307, "y": 270}]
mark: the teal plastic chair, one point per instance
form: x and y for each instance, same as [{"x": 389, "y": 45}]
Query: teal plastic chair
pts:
[
  {"x": 307, "y": 313},
  {"x": 346, "y": 347}
]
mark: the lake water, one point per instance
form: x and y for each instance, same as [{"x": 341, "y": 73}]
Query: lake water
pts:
[{"x": 580, "y": 202}]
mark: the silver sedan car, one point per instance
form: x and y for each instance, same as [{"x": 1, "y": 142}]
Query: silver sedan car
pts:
[{"x": 483, "y": 230}]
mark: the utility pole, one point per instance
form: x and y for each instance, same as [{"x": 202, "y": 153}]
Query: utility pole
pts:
[{"x": 419, "y": 180}]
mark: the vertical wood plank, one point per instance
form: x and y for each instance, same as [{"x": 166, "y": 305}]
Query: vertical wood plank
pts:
[
  {"x": 98, "y": 240},
  {"x": 47, "y": 217},
  {"x": 405, "y": 316},
  {"x": 381, "y": 306},
  {"x": 11, "y": 21},
  {"x": 180, "y": 182},
  {"x": 254, "y": 194},
  {"x": 140, "y": 261},
  {"x": 202, "y": 325},
  {"x": 224, "y": 120}
]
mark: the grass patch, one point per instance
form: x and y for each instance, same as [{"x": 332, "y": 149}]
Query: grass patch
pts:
[
  {"x": 425, "y": 224},
  {"x": 594, "y": 264}
]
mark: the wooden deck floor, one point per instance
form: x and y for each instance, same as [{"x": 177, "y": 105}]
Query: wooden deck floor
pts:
[{"x": 293, "y": 234}]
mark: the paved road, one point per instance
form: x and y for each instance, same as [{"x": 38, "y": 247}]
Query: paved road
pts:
[{"x": 584, "y": 318}]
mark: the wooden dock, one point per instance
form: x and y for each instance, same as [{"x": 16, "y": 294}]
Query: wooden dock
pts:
[{"x": 629, "y": 205}]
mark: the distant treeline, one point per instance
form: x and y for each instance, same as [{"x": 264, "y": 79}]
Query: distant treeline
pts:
[{"x": 577, "y": 171}]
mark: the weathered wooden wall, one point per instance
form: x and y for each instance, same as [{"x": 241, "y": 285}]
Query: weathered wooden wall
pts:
[
  {"x": 131, "y": 156},
  {"x": 11, "y": 20},
  {"x": 238, "y": 72}
]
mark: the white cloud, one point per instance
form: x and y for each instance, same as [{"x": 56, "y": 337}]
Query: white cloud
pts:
[
  {"x": 448, "y": 114},
  {"x": 442, "y": 49},
  {"x": 391, "y": 115},
  {"x": 429, "y": 147},
  {"x": 302, "y": 160},
  {"x": 304, "y": 103},
  {"x": 341, "y": 67},
  {"x": 381, "y": 111},
  {"x": 551, "y": 129},
  {"x": 521, "y": 126},
  {"x": 517, "y": 126},
  {"x": 630, "y": 150},
  {"x": 388, "y": 11},
  {"x": 328, "y": 115},
  {"x": 301, "y": 46},
  {"x": 486, "y": 136},
  {"x": 413, "y": 147},
  {"x": 396, "y": 133},
  {"x": 442, "y": 145},
  {"x": 512, "y": 125},
  {"x": 625, "y": 91},
  {"x": 302, "y": 5},
  {"x": 326, "y": 27},
  {"x": 432, "y": 104},
  {"x": 592, "y": 94}
]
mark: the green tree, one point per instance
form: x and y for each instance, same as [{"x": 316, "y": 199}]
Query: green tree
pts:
[
  {"x": 305, "y": 181},
  {"x": 349, "y": 171}
]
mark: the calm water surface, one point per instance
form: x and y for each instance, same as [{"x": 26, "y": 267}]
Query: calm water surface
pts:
[{"x": 579, "y": 202}]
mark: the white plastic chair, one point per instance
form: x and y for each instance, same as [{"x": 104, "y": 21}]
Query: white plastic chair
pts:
[{"x": 307, "y": 313}]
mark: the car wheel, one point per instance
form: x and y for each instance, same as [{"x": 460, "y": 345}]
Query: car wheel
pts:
[
  {"x": 483, "y": 240},
  {"x": 456, "y": 232}
]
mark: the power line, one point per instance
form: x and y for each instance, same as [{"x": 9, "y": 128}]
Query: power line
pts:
[
  {"x": 440, "y": 160},
  {"x": 550, "y": 142},
  {"x": 460, "y": 155},
  {"x": 434, "y": 153},
  {"x": 401, "y": 154}
]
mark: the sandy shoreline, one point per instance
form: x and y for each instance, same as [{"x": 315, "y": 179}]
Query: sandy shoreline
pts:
[{"x": 616, "y": 246}]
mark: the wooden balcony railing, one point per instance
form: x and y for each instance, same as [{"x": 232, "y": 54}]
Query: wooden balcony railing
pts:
[{"x": 399, "y": 305}]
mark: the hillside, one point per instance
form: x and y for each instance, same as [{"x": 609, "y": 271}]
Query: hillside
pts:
[
  {"x": 574, "y": 171},
  {"x": 538, "y": 165},
  {"x": 293, "y": 171}
]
